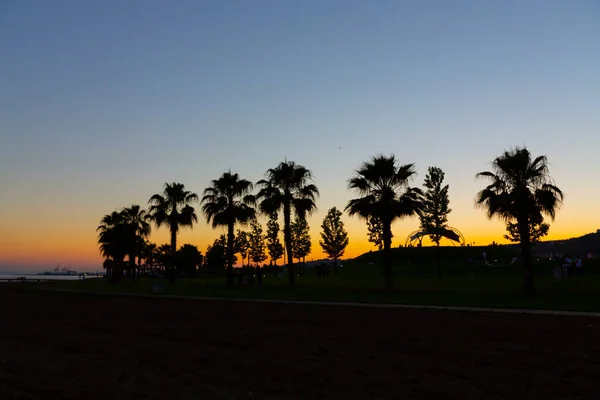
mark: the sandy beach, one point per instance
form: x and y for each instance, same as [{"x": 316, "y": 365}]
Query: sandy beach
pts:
[{"x": 74, "y": 347}]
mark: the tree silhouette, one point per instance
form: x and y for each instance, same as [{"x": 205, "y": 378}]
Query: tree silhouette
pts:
[
  {"x": 287, "y": 187},
  {"x": 538, "y": 229},
  {"x": 189, "y": 259},
  {"x": 521, "y": 191},
  {"x": 383, "y": 187},
  {"x": 116, "y": 239},
  {"x": 149, "y": 255},
  {"x": 274, "y": 246},
  {"x": 434, "y": 214},
  {"x": 256, "y": 240},
  {"x": 227, "y": 202},
  {"x": 122, "y": 234},
  {"x": 241, "y": 244},
  {"x": 216, "y": 255},
  {"x": 172, "y": 208},
  {"x": 301, "y": 245},
  {"x": 137, "y": 218},
  {"x": 334, "y": 237},
  {"x": 375, "y": 231}
]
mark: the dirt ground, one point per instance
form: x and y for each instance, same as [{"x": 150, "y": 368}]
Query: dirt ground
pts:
[{"x": 61, "y": 346}]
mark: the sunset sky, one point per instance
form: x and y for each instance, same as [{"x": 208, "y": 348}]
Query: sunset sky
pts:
[{"x": 102, "y": 102}]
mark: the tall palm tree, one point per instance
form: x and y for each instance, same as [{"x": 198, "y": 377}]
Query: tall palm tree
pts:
[
  {"x": 137, "y": 218},
  {"x": 521, "y": 190},
  {"x": 226, "y": 202},
  {"x": 385, "y": 194},
  {"x": 288, "y": 187},
  {"x": 172, "y": 208}
]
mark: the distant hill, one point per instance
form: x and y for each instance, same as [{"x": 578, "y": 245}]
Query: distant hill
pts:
[
  {"x": 450, "y": 254},
  {"x": 582, "y": 245}
]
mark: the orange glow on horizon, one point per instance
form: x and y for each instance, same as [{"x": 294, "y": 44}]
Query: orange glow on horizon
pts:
[
  {"x": 83, "y": 249},
  {"x": 66, "y": 239}
]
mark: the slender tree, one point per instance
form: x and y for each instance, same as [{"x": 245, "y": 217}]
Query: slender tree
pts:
[
  {"x": 256, "y": 238},
  {"x": 241, "y": 244},
  {"x": 334, "y": 238},
  {"x": 172, "y": 208},
  {"x": 301, "y": 245},
  {"x": 383, "y": 187},
  {"x": 274, "y": 246},
  {"x": 287, "y": 187},
  {"x": 227, "y": 202},
  {"x": 434, "y": 214},
  {"x": 521, "y": 191}
]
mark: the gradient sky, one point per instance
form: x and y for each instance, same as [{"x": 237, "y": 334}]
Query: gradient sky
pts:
[{"x": 101, "y": 102}]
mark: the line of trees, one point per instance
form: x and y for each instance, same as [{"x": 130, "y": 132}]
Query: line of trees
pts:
[{"x": 521, "y": 192}]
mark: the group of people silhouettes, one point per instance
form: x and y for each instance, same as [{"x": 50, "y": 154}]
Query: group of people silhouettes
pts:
[{"x": 571, "y": 266}]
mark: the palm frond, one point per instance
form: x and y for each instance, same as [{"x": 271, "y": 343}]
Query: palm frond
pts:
[{"x": 520, "y": 187}]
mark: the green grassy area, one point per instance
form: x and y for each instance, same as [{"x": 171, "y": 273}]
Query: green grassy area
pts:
[{"x": 462, "y": 284}]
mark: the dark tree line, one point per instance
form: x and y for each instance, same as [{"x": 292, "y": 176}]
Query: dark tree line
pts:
[{"x": 521, "y": 192}]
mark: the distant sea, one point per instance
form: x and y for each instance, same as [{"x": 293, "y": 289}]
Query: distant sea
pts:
[{"x": 45, "y": 277}]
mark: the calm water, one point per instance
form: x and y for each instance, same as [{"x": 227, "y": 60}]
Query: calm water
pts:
[{"x": 45, "y": 277}]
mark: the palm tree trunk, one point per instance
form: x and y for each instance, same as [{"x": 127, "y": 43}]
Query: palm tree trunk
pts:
[
  {"x": 230, "y": 239},
  {"x": 387, "y": 254},
  {"x": 287, "y": 233},
  {"x": 173, "y": 252},
  {"x": 528, "y": 277}
]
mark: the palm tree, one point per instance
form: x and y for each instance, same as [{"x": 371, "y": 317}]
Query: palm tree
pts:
[
  {"x": 137, "y": 217},
  {"x": 172, "y": 208},
  {"x": 226, "y": 202},
  {"x": 115, "y": 240},
  {"x": 385, "y": 194},
  {"x": 288, "y": 187},
  {"x": 521, "y": 190}
]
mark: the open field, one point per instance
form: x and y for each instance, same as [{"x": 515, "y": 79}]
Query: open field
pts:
[
  {"x": 73, "y": 347},
  {"x": 462, "y": 284}
]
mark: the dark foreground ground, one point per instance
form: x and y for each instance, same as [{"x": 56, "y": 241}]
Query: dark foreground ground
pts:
[{"x": 82, "y": 347}]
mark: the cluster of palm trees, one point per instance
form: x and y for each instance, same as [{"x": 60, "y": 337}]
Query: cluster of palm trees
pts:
[
  {"x": 122, "y": 234},
  {"x": 226, "y": 202},
  {"x": 521, "y": 191}
]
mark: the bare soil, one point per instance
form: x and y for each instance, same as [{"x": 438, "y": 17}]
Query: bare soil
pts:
[{"x": 61, "y": 346}]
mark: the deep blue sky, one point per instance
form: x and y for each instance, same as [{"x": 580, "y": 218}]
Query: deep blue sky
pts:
[{"x": 101, "y": 102}]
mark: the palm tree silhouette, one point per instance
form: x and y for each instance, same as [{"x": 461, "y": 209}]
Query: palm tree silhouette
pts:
[
  {"x": 172, "y": 208},
  {"x": 385, "y": 194},
  {"x": 521, "y": 190},
  {"x": 288, "y": 187},
  {"x": 137, "y": 217},
  {"x": 116, "y": 239},
  {"x": 227, "y": 202}
]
